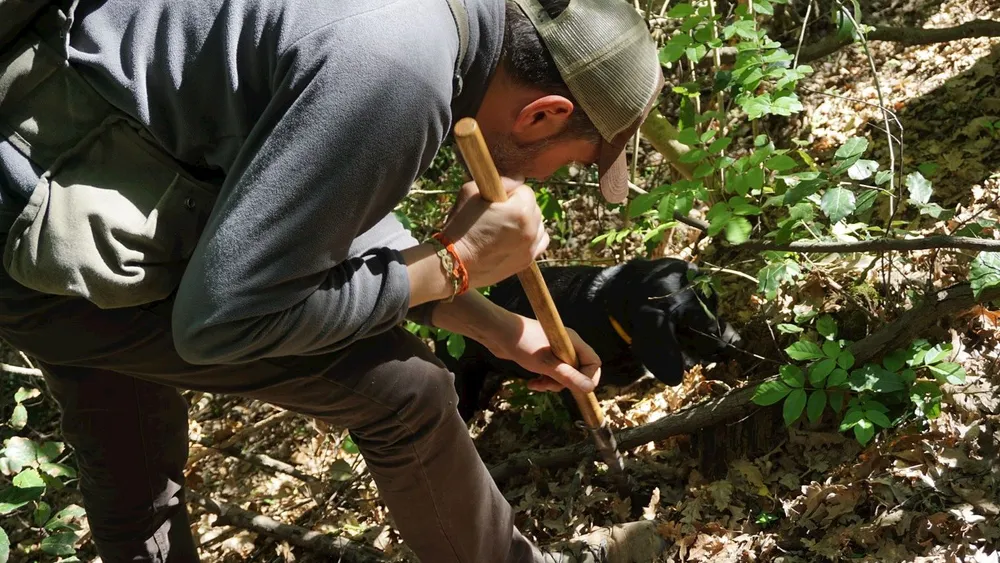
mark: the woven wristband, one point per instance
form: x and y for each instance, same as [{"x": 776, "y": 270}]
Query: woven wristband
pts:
[{"x": 458, "y": 271}]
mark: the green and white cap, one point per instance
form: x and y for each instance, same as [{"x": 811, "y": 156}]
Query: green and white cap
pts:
[{"x": 609, "y": 62}]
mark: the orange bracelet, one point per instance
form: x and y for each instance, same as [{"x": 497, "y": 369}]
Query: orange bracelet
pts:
[{"x": 458, "y": 271}]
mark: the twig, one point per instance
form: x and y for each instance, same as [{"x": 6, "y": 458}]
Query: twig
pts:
[
  {"x": 241, "y": 435},
  {"x": 733, "y": 272},
  {"x": 341, "y": 549},
  {"x": 20, "y": 370},
  {"x": 268, "y": 462},
  {"x": 923, "y": 243},
  {"x": 802, "y": 35},
  {"x": 737, "y": 403}
]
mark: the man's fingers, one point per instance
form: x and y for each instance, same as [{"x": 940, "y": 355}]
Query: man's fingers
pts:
[
  {"x": 570, "y": 377},
  {"x": 511, "y": 184},
  {"x": 545, "y": 384}
]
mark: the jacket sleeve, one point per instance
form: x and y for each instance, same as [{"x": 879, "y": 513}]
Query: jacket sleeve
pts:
[{"x": 301, "y": 253}]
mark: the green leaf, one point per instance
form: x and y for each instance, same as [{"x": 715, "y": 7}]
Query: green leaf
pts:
[
  {"x": 855, "y": 146},
  {"x": 49, "y": 451},
  {"x": 738, "y": 230},
  {"x": 4, "y": 547},
  {"x": 864, "y": 431},
  {"x": 781, "y": 163},
  {"x": 13, "y": 498},
  {"x": 816, "y": 404},
  {"x": 704, "y": 169},
  {"x": 740, "y": 206},
  {"x": 19, "y": 417},
  {"x": 757, "y": 106},
  {"x": 340, "y": 470},
  {"x": 851, "y": 418},
  {"x": 27, "y": 479},
  {"x": 763, "y": 7},
  {"x": 60, "y": 544},
  {"x": 887, "y": 382},
  {"x": 57, "y": 470},
  {"x": 689, "y": 137},
  {"x": 773, "y": 275},
  {"x": 681, "y": 11},
  {"x": 895, "y": 360},
  {"x": 786, "y": 328},
  {"x": 836, "y": 400},
  {"x": 456, "y": 345},
  {"x": 770, "y": 392},
  {"x": 883, "y": 177},
  {"x": 831, "y": 349},
  {"x": 820, "y": 370},
  {"x": 755, "y": 178},
  {"x": 928, "y": 168},
  {"x": 693, "y": 156},
  {"x": 674, "y": 48},
  {"x": 792, "y": 375},
  {"x": 845, "y": 359},
  {"x": 20, "y": 452},
  {"x": 23, "y": 394},
  {"x": 862, "y": 169},
  {"x": 804, "y": 350},
  {"x": 838, "y": 203},
  {"x": 641, "y": 204},
  {"x": 837, "y": 377},
  {"x": 349, "y": 446},
  {"x": 794, "y": 405},
  {"x": 786, "y": 105},
  {"x": 985, "y": 272},
  {"x": 64, "y": 518},
  {"x": 878, "y": 418},
  {"x": 41, "y": 514},
  {"x": 826, "y": 326},
  {"x": 918, "y": 187},
  {"x": 937, "y": 353},
  {"x": 719, "y": 144},
  {"x": 950, "y": 372}
]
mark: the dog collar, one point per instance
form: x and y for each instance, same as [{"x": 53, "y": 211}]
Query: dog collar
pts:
[{"x": 621, "y": 331}]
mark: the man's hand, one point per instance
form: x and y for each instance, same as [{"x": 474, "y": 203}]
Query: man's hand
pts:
[
  {"x": 529, "y": 347},
  {"x": 496, "y": 240}
]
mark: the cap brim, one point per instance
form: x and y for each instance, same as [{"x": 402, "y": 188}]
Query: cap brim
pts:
[
  {"x": 613, "y": 171},
  {"x": 611, "y": 165}
]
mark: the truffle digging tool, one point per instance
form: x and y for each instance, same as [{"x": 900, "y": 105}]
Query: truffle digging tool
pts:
[{"x": 477, "y": 158}]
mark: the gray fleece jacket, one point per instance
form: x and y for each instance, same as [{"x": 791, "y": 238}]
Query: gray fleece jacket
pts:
[{"x": 319, "y": 115}]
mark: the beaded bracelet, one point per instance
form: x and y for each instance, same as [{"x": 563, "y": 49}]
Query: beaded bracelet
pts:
[{"x": 452, "y": 265}]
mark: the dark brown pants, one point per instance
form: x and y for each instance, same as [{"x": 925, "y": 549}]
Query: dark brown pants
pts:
[{"x": 116, "y": 376}]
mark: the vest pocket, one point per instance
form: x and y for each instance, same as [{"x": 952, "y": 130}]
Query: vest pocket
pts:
[{"x": 114, "y": 220}]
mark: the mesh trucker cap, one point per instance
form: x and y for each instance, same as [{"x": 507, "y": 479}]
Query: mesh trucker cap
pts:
[{"x": 609, "y": 62}]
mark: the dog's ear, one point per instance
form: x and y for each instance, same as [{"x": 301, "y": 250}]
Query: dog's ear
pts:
[{"x": 654, "y": 343}]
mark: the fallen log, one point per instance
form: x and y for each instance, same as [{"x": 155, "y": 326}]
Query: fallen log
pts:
[
  {"x": 737, "y": 403},
  {"x": 338, "y": 549}
]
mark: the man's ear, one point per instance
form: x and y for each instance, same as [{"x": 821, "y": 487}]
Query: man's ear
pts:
[
  {"x": 542, "y": 118},
  {"x": 654, "y": 343}
]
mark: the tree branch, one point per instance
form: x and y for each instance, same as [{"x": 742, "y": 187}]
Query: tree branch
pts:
[
  {"x": 737, "y": 403},
  {"x": 923, "y": 243},
  {"x": 906, "y": 36},
  {"x": 340, "y": 549}
]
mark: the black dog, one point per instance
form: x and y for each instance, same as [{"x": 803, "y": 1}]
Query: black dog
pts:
[{"x": 638, "y": 316}]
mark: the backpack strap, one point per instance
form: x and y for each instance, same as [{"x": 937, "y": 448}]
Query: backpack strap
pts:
[{"x": 461, "y": 16}]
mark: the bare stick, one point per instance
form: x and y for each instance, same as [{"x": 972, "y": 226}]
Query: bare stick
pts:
[
  {"x": 923, "y": 243},
  {"x": 20, "y": 370},
  {"x": 906, "y": 36},
  {"x": 340, "y": 549},
  {"x": 241, "y": 435},
  {"x": 737, "y": 404}
]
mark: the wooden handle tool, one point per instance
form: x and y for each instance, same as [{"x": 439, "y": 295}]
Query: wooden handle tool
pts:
[{"x": 477, "y": 158}]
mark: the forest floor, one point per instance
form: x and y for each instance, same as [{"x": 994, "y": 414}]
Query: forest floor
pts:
[{"x": 918, "y": 493}]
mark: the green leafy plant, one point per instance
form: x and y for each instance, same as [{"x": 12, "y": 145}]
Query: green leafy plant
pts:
[
  {"x": 877, "y": 395},
  {"x": 538, "y": 410},
  {"x": 37, "y": 469}
]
